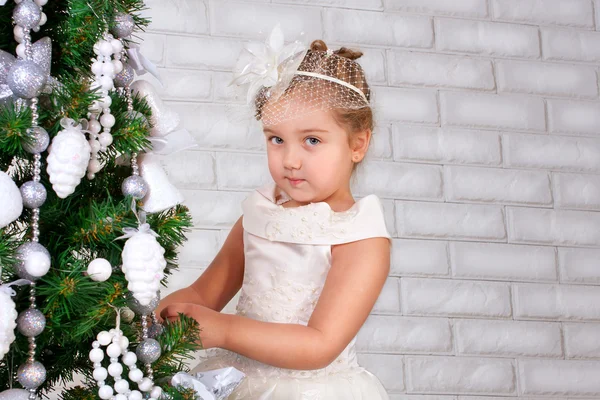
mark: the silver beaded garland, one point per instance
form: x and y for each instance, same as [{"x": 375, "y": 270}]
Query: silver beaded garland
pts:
[
  {"x": 33, "y": 194},
  {"x": 155, "y": 330},
  {"x": 27, "y": 14},
  {"x": 148, "y": 351},
  {"x": 26, "y": 79},
  {"x": 139, "y": 309},
  {"x": 124, "y": 25},
  {"x": 125, "y": 77},
  {"x": 31, "y": 375},
  {"x": 31, "y": 322},
  {"x": 135, "y": 186},
  {"x": 38, "y": 140}
]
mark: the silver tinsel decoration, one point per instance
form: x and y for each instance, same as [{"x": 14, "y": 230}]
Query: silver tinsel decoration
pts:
[
  {"x": 38, "y": 140},
  {"x": 125, "y": 77},
  {"x": 124, "y": 25},
  {"x": 27, "y": 14},
  {"x": 26, "y": 79},
  {"x": 135, "y": 186},
  {"x": 33, "y": 194},
  {"x": 23, "y": 252},
  {"x": 148, "y": 351},
  {"x": 15, "y": 394},
  {"x": 31, "y": 375},
  {"x": 31, "y": 322},
  {"x": 139, "y": 309},
  {"x": 155, "y": 331}
]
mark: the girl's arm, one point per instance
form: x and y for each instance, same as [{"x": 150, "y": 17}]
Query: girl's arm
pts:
[
  {"x": 355, "y": 279},
  {"x": 220, "y": 281}
]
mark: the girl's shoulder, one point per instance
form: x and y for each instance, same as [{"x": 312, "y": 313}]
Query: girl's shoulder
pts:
[{"x": 314, "y": 223}]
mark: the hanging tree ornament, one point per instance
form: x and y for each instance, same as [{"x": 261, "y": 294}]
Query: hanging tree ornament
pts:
[
  {"x": 8, "y": 318},
  {"x": 99, "y": 270},
  {"x": 11, "y": 203},
  {"x": 68, "y": 158}
]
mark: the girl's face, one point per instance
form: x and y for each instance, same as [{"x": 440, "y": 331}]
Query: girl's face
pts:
[{"x": 310, "y": 157}]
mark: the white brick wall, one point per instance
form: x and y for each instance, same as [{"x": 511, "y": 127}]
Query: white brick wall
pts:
[{"x": 486, "y": 156}]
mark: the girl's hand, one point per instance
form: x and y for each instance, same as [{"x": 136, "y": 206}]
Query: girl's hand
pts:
[{"x": 212, "y": 323}]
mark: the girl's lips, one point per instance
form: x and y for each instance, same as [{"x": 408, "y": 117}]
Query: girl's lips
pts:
[{"x": 295, "y": 182}]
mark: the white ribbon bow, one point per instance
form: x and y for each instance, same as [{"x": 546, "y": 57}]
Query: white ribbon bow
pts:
[
  {"x": 143, "y": 226},
  {"x": 140, "y": 63},
  {"x": 6, "y": 288}
]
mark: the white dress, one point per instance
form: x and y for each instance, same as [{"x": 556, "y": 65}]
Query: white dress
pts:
[{"x": 287, "y": 257}]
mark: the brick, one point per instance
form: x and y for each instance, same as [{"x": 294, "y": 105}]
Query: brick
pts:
[
  {"x": 570, "y": 45},
  {"x": 460, "y": 375},
  {"x": 465, "y": 8},
  {"x": 191, "y": 169},
  {"x": 179, "y": 16},
  {"x": 552, "y": 152},
  {"x": 389, "y": 215},
  {"x": 577, "y": 13},
  {"x": 216, "y": 126},
  {"x": 388, "y": 368},
  {"x": 558, "y": 227},
  {"x": 240, "y": 171},
  {"x": 391, "y": 179},
  {"x": 574, "y": 117},
  {"x": 184, "y": 84},
  {"x": 388, "y": 301},
  {"x": 200, "y": 248},
  {"x": 493, "y": 111},
  {"x": 563, "y": 302},
  {"x": 398, "y": 396},
  {"x": 436, "y": 70},
  {"x": 180, "y": 279},
  {"x": 387, "y": 334},
  {"x": 486, "y": 38},
  {"x": 445, "y": 145},
  {"x": 381, "y": 143},
  {"x": 445, "y": 220},
  {"x": 255, "y": 21},
  {"x": 202, "y": 52},
  {"x": 223, "y": 93},
  {"x": 497, "y": 185},
  {"x": 214, "y": 209},
  {"x": 508, "y": 338},
  {"x": 152, "y": 46},
  {"x": 496, "y": 261},
  {"x": 407, "y": 105},
  {"x": 582, "y": 340},
  {"x": 580, "y": 191},
  {"x": 447, "y": 297},
  {"x": 550, "y": 79},
  {"x": 419, "y": 258},
  {"x": 353, "y": 4},
  {"x": 579, "y": 265},
  {"x": 559, "y": 377},
  {"x": 373, "y": 63},
  {"x": 376, "y": 28}
]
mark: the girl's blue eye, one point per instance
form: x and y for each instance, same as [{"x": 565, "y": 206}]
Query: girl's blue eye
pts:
[
  {"x": 313, "y": 141},
  {"x": 275, "y": 140}
]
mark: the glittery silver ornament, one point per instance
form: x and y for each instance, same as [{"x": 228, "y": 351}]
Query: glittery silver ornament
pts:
[
  {"x": 38, "y": 140},
  {"x": 135, "y": 186},
  {"x": 26, "y": 79},
  {"x": 155, "y": 331},
  {"x": 124, "y": 25},
  {"x": 31, "y": 375},
  {"x": 15, "y": 394},
  {"x": 27, "y": 14},
  {"x": 31, "y": 322},
  {"x": 34, "y": 194},
  {"x": 42, "y": 54},
  {"x": 139, "y": 309},
  {"x": 33, "y": 261},
  {"x": 125, "y": 77},
  {"x": 148, "y": 351},
  {"x": 6, "y": 61}
]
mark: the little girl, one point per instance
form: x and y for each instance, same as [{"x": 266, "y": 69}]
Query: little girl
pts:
[{"x": 309, "y": 260}]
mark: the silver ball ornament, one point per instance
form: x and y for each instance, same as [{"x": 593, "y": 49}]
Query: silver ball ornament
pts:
[
  {"x": 6, "y": 61},
  {"x": 26, "y": 79},
  {"x": 33, "y": 194},
  {"x": 148, "y": 351},
  {"x": 33, "y": 261},
  {"x": 139, "y": 309},
  {"x": 125, "y": 77},
  {"x": 124, "y": 25},
  {"x": 27, "y": 14},
  {"x": 31, "y": 375},
  {"x": 155, "y": 331},
  {"x": 38, "y": 140},
  {"x": 135, "y": 186},
  {"x": 15, "y": 394},
  {"x": 31, "y": 322}
]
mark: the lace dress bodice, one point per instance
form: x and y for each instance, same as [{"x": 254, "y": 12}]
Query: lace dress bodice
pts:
[{"x": 287, "y": 258}]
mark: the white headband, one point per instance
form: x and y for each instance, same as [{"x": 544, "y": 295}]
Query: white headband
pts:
[{"x": 332, "y": 79}]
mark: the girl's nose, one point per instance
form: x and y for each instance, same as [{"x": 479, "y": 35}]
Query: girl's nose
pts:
[{"x": 291, "y": 159}]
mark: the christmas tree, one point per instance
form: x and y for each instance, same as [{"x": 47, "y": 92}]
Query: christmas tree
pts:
[{"x": 89, "y": 226}]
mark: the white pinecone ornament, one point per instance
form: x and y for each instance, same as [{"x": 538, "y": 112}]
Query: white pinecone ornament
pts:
[
  {"x": 143, "y": 262},
  {"x": 68, "y": 158},
  {"x": 8, "y": 319}
]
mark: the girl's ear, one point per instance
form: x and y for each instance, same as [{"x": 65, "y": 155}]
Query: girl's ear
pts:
[{"x": 360, "y": 144}]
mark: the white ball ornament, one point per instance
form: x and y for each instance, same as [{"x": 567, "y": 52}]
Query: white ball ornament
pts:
[
  {"x": 156, "y": 392},
  {"x": 94, "y": 126},
  {"x": 104, "y": 338},
  {"x": 114, "y": 350},
  {"x": 107, "y": 120},
  {"x": 145, "y": 385},
  {"x": 43, "y": 19},
  {"x": 106, "y": 82},
  {"x": 105, "y": 392},
  {"x": 20, "y": 50},
  {"x": 100, "y": 374},
  {"x": 136, "y": 375},
  {"x": 96, "y": 355},
  {"x": 41, "y": 3},
  {"x": 100, "y": 269},
  {"x": 8, "y": 319},
  {"x": 105, "y": 48},
  {"x": 129, "y": 358},
  {"x": 115, "y": 369},
  {"x": 105, "y": 139},
  {"x": 11, "y": 202},
  {"x": 135, "y": 395},
  {"x": 121, "y": 386},
  {"x": 97, "y": 67}
]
